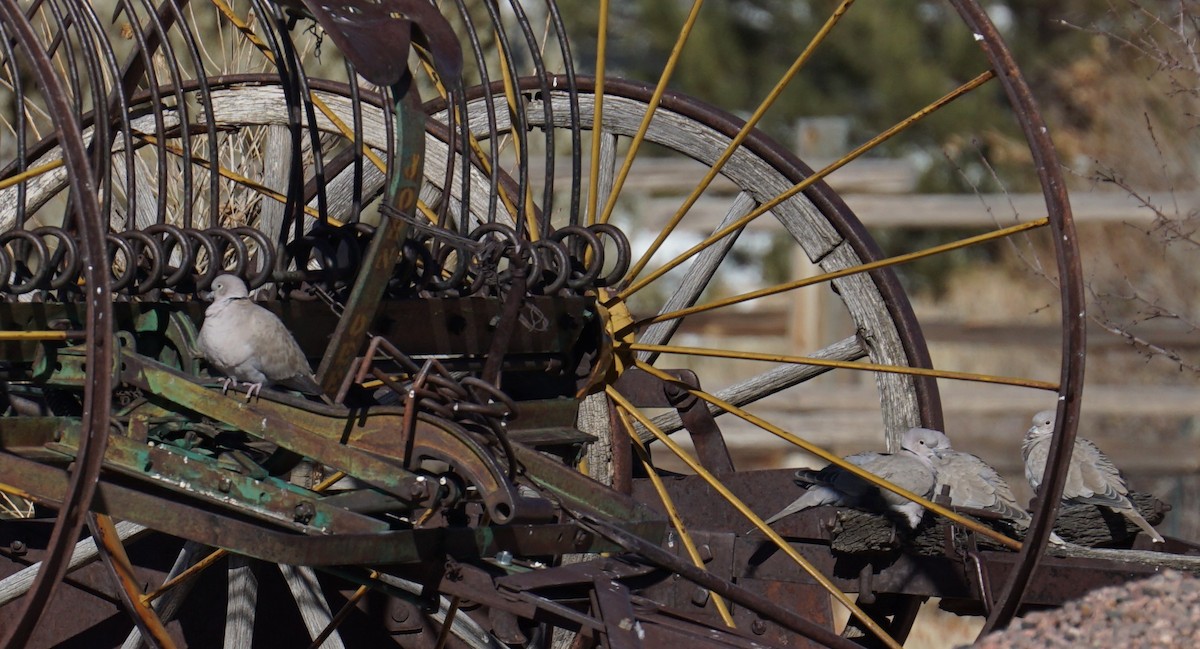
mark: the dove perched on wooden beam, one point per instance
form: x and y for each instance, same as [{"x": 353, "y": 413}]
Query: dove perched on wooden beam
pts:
[
  {"x": 1092, "y": 478},
  {"x": 909, "y": 469},
  {"x": 248, "y": 343},
  {"x": 974, "y": 483}
]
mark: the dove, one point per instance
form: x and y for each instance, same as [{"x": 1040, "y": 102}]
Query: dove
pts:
[
  {"x": 910, "y": 469},
  {"x": 1092, "y": 478},
  {"x": 973, "y": 482},
  {"x": 248, "y": 343}
]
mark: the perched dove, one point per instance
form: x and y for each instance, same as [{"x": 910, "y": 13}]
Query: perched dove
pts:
[
  {"x": 910, "y": 469},
  {"x": 1092, "y": 478},
  {"x": 250, "y": 344},
  {"x": 973, "y": 482}
]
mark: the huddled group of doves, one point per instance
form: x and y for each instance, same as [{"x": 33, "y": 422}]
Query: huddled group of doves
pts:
[{"x": 926, "y": 463}]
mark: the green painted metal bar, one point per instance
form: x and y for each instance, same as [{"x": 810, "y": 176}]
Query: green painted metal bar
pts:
[{"x": 403, "y": 187}]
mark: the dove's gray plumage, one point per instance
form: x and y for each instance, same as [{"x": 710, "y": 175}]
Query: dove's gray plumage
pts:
[
  {"x": 1092, "y": 477},
  {"x": 250, "y": 344},
  {"x": 974, "y": 483},
  {"x": 910, "y": 469}
]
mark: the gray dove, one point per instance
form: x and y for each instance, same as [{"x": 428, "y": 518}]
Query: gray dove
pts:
[
  {"x": 1092, "y": 477},
  {"x": 973, "y": 482},
  {"x": 248, "y": 343},
  {"x": 910, "y": 469}
]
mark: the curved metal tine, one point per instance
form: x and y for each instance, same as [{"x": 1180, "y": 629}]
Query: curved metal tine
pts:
[
  {"x": 539, "y": 66},
  {"x": 192, "y": 44},
  {"x": 490, "y": 159},
  {"x": 169, "y": 604},
  {"x": 84, "y": 554},
  {"x": 241, "y": 602},
  {"x": 568, "y": 62},
  {"x": 766, "y": 384},
  {"x": 97, "y": 395},
  {"x": 162, "y": 22},
  {"x": 697, "y": 278},
  {"x": 112, "y": 553},
  {"x": 302, "y": 581},
  {"x": 519, "y": 122}
]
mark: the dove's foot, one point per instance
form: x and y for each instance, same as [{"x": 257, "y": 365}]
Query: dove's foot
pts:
[
  {"x": 229, "y": 381},
  {"x": 252, "y": 390}
]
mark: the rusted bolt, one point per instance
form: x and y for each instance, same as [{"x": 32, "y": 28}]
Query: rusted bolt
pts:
[
  {"x": 705, "y": 552},
  {"x": 17, "y": 548},
  {"x": 225, "y": 485},
  {"x": 700, "y": 597},
  {"x": 419, "y": 489},
  {"x": 400, "y": 613},
  {"x": 304, "y": 513},
  {"x": 758, "y": 627},
  {"x": 582, "y": 539}
]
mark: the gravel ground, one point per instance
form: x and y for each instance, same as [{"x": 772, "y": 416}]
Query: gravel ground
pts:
[{"x": 1162, "y": 611}]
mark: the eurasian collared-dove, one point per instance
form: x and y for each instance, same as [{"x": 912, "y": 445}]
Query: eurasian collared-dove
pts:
[
  {"x": 910, "y": 469},
  {"x": 1092, "y": 478},
  {"x": 973, "y": 483},
  {"x": 248, "y": 343}
]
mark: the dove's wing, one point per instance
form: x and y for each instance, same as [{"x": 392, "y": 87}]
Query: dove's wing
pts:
[
  {"x": 1035, "y": 450},
  {"x": 1094, "y": 478},
  {"x": 277, "y": 355},
  {"x": 975, "y": 484}
]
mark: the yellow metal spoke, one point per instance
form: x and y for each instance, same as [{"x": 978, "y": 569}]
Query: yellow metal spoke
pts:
[
  {"x": 597, "y": 113},
  {"x": 673, "y": 512},
  {"x": 39, "y": 335},
  {"x": 740, "y": 137},
  {"x": 195, "y": 569},
  {"x": 871, "y": 478},
  {"x": 107, "y": 539},
  {"x": 861, "y": 268},
  {"x": 624, "y": 404},
  {"x": 851, "y": 365},
  {"x": 343, "y": 612},
  {"x": 651, "y": 107},
  {"x": 30, "y": 173},
  {"x": 808, "y": 182}
]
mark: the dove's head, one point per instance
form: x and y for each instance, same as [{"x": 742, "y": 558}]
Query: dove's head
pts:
[
  {"x": 924, "y": 441},
  {"x": 1043, "y": 423},
  {"x": 228, "y": 287}
]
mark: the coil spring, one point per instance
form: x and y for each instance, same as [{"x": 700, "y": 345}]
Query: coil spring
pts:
[{"x": 45, "y": 262}]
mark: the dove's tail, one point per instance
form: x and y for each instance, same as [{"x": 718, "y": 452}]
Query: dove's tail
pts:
[
  {"x": 1136, "y": 518},
  {"x": 814, "y": 497}
]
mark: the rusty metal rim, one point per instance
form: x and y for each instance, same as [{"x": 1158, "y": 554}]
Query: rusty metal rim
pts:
[
  {"x": 1062, "y": 226},
  {"x": 98, "y": 391}
]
